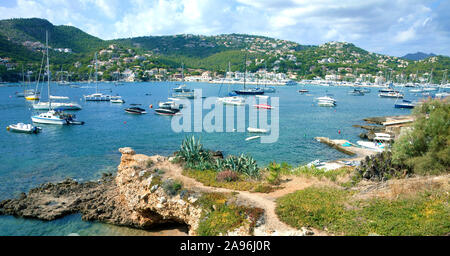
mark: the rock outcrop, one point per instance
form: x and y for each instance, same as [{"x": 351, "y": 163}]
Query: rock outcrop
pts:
[{"x": 137, "y": 197}]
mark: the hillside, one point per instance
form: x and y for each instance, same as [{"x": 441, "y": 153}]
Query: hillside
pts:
[
  {"x": 418, "y": 56},
  {"x": 33, "y": 30},
  {"x": 160, "y": 57}
]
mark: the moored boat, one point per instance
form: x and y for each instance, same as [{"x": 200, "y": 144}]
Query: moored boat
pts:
[
  {"x": 135, "y": 110},
  {"x": 23, "y": 128}
]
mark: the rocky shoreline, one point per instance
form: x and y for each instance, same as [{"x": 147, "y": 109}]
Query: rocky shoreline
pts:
[{"x": 134, "y": 197}]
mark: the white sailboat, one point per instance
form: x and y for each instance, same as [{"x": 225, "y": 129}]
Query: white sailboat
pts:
[
  {"x": 97, "y": 96},
  {"x": 52, "y": 116}
]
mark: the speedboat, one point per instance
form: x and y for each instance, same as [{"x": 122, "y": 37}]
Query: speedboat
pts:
[
  {"x": 232, "y": 100},
  {"x": 135, "y": 110},
  {"x": 303, "y": 91},
  {"x": 23, "y": 128},
  {"x": 50, "y": 117},
  {"x": 167, "y": 111},
  {"x": 116, "y": 99}
]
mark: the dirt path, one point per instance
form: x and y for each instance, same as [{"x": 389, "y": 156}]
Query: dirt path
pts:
[{"x": 265, "y": 201}]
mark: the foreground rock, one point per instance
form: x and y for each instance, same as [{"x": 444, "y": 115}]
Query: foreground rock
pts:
[{"x": 136, "y": 197}]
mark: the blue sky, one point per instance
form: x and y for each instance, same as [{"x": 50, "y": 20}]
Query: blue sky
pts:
[{"x": 393, "y": 27}]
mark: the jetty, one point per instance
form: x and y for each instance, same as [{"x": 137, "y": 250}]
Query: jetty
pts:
[{"x": 349, "y": 148}]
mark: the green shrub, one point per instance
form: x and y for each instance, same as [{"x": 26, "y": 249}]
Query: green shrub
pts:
[
  {"x": 244, "y": 164},
  {"x": 274, "y": 173},
  {"x": 172, "y": 187},
  {"x": 426, "y": 147}
]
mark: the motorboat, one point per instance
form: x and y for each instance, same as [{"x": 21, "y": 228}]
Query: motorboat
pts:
[
  {"x": 269, "y": 89},
  {"x": 33, "y": 97},
  {"x": 186, "y": 95},
  {"x": 391, "y": 95},
  {"x": 326, "y": 101},
  {"x": 442, "y": 95},
  {"x": 135, "y": 110},
  {"x": 181, "y": 88},
  {"x": 383, "y": 137},
  {"x": 405, "y": 104},
  {"x": 356, "y": 92},
  {"x": 23, "y": 128},
  {"x": 50, "y": 117},
  {"x": 377, "y": 146},
  {"x": 257, "y": 130},
  {"x": 303, "y": 91},
  {"x": 315, "y": 163},
  {"x": 116, "y": 99},
  {"x": 167, "y": 111},
  {"x": 232, "y": 100},
  {"x": 263, "y": 106}
]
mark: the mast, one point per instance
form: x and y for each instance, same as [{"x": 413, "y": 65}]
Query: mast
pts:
[
  {"x": 48, "y": 73},
  {"x": 245, "y": 65},
  {"x": 96, "y": 84}
]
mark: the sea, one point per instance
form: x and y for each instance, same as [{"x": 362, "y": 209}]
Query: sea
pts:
[{"x": 85, "y": 152}]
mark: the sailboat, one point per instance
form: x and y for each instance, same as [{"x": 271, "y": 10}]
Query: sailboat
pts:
[
  {"x": 443, "y": 82},
  {"x": 97, "y": 96},
  {"x": 250, "y": 91},
  {"x": 52, "y": 116},
  {"x": 404, "y": 103}
]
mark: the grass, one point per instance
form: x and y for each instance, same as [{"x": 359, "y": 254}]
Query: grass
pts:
[
  {"x": 421, "y": 214},
  {"x": 220, "y": 216},
  {"x": 244, "y": 183},
  {"x": 332, "y": 175}
]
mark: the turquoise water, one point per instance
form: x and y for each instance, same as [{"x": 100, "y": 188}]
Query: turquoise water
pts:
[{"x": 85, "y": 152}]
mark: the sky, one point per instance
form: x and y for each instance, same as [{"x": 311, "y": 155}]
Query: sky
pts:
[{"x": 392, "y": 27}]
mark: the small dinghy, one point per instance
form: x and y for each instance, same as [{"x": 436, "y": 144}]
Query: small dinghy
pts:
[
  {"x": 303, "y": 91},
  {"x": 23, "y": 128},
  {"x": 256, "y": 130},
  {"x": 252, "y": 138},
  {"x": 135, "y": 110}
]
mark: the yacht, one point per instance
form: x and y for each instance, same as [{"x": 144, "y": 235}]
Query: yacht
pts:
[
  {"x": 116, "y": 99},
  {"x": 232, "y": 100},
  {"x": 391, "y": 95}
]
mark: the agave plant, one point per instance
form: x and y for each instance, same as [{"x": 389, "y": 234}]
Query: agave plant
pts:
[
  {"x": 193, "y": 153},
  {"x": 242, "y": 164}
]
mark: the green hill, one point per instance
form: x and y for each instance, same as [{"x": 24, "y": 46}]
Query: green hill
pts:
[
  {"x": 22, "y": 40},
  {"x": 21, "y": 30}
]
